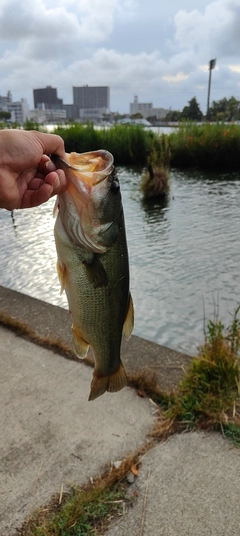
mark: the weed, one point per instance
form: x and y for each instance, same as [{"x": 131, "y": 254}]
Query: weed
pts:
[
  {"x": 155, "y": 181},
  {"x": 86, "y": 511},
  {"x": 129, "y": 144},
  {"x": 232, "y": 432},
  {"x": 206, "y": 146},
  {"x": 208, "y": 395}
]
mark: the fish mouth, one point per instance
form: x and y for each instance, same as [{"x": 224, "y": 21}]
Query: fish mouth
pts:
[{"x": 91, "y": 167}]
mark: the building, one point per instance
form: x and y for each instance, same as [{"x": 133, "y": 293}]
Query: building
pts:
[
  {"x": 48, "y": 97},
  {"x": 92, "y": 102},
  {"x": 5, "y": 102},
  {"x": 19, "y": 111},
  {"x": 44, "y": 115},
  {"x": 72, "y": 112},
  {"x": 139, "y": 107},
  {"x": 147, "y": 110}
]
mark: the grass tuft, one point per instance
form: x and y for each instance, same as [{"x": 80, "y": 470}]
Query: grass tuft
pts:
[
  {"x": 87, "y": 510},
  {"x": 155, "y": 181},
  {"x": 208, "y": 395}
]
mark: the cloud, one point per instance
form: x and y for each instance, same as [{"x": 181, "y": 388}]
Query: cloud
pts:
[
  {"x": 66, "y": 21},
  {"x": 175, "y": 79},
  {"x": 216, "y": 29},
  {"x": 235, "y": 68},
  {"x": 159, "y": 53}
]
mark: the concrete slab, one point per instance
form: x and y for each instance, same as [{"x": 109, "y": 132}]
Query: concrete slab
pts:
[
  {"x": 49, "y": 433},
  {"x": 187, "y": 486}
]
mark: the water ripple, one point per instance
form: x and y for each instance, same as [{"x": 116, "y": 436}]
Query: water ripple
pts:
[{"x": 184, "y": 255}]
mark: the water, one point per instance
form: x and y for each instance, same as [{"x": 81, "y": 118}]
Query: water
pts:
[{"x": 184, "y": 255}]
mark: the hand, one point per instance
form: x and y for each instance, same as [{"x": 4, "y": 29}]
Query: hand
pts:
[{"x": 28, "y": 178}]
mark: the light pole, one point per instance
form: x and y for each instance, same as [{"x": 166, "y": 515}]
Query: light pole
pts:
[{"x": 212, "y": 64}]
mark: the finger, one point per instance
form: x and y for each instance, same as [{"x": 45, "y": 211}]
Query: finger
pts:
[
  {"x": 43, "y": 162},
  {"x": 36, "y": 183},
  {"x": 33, "y": 198},
  {"x": 49, "y": 166},
  {"x": 51, "y": 143},
  {"x": 58, "y": 181}
]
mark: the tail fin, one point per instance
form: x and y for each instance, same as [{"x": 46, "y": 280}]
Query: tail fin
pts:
[{"x": 113, "y": 383}]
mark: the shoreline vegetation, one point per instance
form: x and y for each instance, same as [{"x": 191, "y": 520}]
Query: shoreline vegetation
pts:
[
  {"x": 192, "y": 146},
  {"x": 204, "y": 146},
  {"x": 207, "y": 398}
]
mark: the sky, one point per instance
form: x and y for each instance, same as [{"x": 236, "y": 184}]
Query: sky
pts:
[{"x": 156, "y": 50}]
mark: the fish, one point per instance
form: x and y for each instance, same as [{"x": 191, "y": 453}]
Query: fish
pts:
[{"x": 93, "y": 264}]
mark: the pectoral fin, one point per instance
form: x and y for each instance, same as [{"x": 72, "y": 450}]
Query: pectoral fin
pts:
[
  {"x": 80, "y": 345},
  {"x": 62, "y": 275},
  {"x": 129, "y": 320},
  {"x": 96, "y": 272}
]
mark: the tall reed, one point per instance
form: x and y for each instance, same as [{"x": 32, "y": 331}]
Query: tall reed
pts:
[
  {"x": 206, "y": 146},
  {"x": 128, "y": 144}
]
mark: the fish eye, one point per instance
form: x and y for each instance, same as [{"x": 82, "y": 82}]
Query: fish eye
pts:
[{"x": 115, "y": 187}]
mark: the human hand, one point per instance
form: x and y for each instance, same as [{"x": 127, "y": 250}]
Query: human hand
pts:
[{"x": 28, "y": 178}]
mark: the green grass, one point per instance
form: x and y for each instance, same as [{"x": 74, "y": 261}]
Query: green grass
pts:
[
  {"x": 232, "y": 432},
  {"x": 206, "y": 147},
  {"x": 210, "y": 147},
  {"x": 129, "y": 144},
  {"x": 85, "y": 513},
  {"x": 87, "y": 510},
  {"x": 209, "y": 394}
]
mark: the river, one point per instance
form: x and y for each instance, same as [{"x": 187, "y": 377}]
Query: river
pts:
[{"x": 184, "y": 255}]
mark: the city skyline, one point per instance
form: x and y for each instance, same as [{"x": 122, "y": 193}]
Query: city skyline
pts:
[
  {"x": 83, "y": 97},
  {"x": 158, "y": 52}
]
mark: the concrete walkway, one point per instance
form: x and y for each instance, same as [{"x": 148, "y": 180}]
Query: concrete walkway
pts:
[{"x": 50, "y": 436}]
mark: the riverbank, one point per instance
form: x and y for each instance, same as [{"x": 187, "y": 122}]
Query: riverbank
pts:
[
  {"x": 50, "y": 326},
  {"x": 52, "y": 438}
]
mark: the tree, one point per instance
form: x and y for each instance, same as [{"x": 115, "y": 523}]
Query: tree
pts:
[
  {"x": 225, "y": 109},
  {"x": 192, "y": 111},
  {"x": 233, "y": 106},
  {"x": 5, "y": 115},
  {"x": 138, "y": 115},
  {"x": 173, "y": 115}
]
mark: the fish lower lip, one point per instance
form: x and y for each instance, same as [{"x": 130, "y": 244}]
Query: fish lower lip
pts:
[{"x": 57, "y": 159}]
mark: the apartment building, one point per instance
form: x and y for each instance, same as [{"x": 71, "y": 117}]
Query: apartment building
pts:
[
  {"x": 48, "y": 97},
  {"x": 91, "y": 101}
]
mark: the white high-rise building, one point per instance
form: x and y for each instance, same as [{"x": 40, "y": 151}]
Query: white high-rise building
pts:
[
  {"x": 147, "y": 110},
  {"x": 139, "y": 107},
  {"x": 20, "y": 111},
  {"x": 5, "y": 101}
]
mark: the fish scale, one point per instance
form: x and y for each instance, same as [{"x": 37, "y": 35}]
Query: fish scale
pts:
[{"x": 96, "y": 284}]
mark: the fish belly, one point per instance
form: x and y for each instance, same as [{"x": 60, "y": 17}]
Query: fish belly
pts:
[{"x": 97, "y": 289}]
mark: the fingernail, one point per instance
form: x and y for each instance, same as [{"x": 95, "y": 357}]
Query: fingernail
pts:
[
  {"x": 50, "y": 166},
  {"x": 56, "y": 183}
]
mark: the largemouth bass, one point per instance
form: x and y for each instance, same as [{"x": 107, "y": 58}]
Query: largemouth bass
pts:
[{"x": 93, "y": 264}]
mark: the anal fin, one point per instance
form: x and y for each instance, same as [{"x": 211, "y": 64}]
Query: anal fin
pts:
[
  {"x": 112, "y": 383},
  {"x": 129, "y": 320},
  {"x": 62, "y": 275},
  {"x": 80, "y": 345}
]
